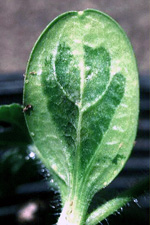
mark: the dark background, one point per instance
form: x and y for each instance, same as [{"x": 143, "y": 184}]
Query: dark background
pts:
[{"x": 25, "y": 196}]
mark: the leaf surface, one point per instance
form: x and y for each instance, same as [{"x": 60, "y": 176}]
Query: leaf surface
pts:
[
  {"x": 82, "y": 83},
  {"x": 15, "y": 133}
]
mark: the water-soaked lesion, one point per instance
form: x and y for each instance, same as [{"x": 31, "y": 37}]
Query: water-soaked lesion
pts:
[
  {"x": 97, "y": 72},
  {"x": 96, "y": 119},
  {"x": 63, "y": 110},
  {"x": 118, "y": 159},
  {"x": 61, "y": 85},
  {"x": 67, "y": 72}
]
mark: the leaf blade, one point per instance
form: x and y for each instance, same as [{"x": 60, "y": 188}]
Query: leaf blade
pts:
[
  {"x": 74, "y": 47},
  {"x": 17, "y": 133}
]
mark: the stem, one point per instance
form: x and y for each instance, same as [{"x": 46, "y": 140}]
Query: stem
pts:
[
  {"x": 73, "y": 213},
  {"x": 113, "y": 205}
]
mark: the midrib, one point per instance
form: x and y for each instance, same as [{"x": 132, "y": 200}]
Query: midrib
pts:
[{"x": 78, "y": 149}]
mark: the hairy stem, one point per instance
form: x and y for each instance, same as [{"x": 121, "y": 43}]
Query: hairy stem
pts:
[{"x": 113, "y": 205}]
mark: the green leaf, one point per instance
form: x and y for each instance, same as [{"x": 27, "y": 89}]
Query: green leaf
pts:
[
  {"x": 16, "y": 134},
  {"x": 82, "y": 84}
]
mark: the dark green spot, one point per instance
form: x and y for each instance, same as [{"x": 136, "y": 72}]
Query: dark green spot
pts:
[
  {"x": 61, "y": 85},
  {"x": 67, "y": 72},
  {"x": 97, "y": 118},
  {"x": 117, "y": 159},
  {"x": 63, "y": 111},
  {"x": 97, "y": 64}
]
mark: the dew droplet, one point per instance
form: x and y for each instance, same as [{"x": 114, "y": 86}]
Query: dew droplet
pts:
[
  {"x": 42, "y": 170},
  {"x": 56, "y": 214},
  {"x": 100, "y": 223},
  {"x": 118, "y": 213},
  {"x": 107, "y": 221},
  {"x": 32, "y": 134},
  {"x": 136, "y": 202},
  {"x": 52, "y": 206},
  {"x": 51, "y": 181},
  {"x": 32, "y": 155}
]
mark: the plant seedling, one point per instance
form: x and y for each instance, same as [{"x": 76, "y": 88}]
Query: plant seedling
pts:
[
  {"x": 85, "y": 99},
  {"x": 81, "y": 105}
]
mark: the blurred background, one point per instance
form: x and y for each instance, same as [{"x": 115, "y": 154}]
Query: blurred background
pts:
[
  {"x": 25, "y": 196},
  {"x": 21, "y": 22}
]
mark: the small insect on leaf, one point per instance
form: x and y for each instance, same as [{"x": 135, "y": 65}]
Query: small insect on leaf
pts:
[{"x": 27, "y": 107}]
